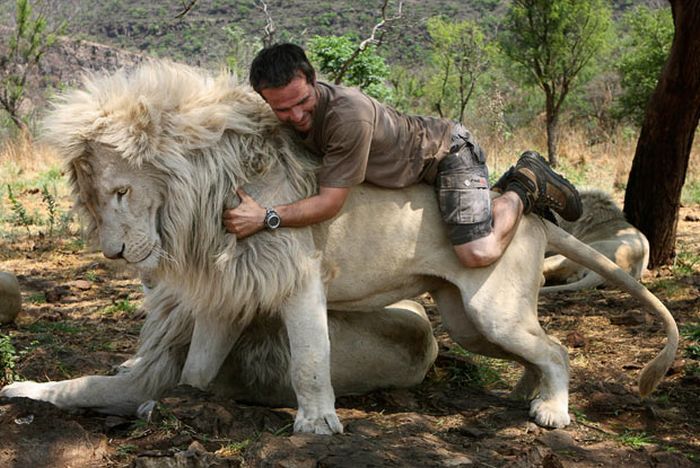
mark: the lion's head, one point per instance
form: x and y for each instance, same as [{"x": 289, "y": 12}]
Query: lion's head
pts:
[
  {"x": 154, "y": 156},
  {"x": 124, "y": 203}
]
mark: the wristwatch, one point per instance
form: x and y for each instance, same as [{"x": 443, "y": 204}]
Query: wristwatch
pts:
[{"x": 272, "y": 219}]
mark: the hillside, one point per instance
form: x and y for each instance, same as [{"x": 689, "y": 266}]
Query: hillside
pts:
[
  {"x": 105, "y": 35},
  {"x": 201, "y": 38}
]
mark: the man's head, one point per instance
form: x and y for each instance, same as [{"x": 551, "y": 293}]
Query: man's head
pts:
[{"x": 283, "y": 76}]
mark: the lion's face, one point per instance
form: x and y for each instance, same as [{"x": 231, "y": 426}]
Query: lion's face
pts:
[{"x": 124, "y": 201}]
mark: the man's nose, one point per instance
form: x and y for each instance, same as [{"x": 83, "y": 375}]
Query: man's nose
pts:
[{"x": 297, "y": 114}]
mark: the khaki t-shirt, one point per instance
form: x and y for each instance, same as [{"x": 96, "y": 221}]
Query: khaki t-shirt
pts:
[{"x": 360, "y": 140}]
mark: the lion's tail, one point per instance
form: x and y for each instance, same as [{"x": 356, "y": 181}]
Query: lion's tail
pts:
[{"x": 567, "y": 245}]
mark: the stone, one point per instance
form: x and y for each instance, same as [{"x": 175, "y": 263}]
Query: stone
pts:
[{"x": 10, "y": 297}]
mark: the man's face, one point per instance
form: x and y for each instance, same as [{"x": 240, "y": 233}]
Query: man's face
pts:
[{"x": 293, "y": 104}]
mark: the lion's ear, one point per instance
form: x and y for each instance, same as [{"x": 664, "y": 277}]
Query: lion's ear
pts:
[{"x": 140, "y": 132}]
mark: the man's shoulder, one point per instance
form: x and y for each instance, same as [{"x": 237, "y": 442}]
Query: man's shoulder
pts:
[{"x": 348, "y": 103}]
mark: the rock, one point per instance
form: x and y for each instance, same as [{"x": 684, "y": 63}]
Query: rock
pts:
[
  {"x": 632, "y": 318},
  {"x": 56, "y": 294},
  {"x": 558, "y": 440},
  {"x": 677, "y": 366},
  {"x": 692, "y": 218},
  {"x": 459, "y": 460},
  {"x": 82, "y": 285},
  {"x": 576, "y": 340},
  {"x": 10, "y": 297}
]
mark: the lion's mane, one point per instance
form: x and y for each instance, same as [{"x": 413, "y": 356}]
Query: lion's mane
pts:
[
  {"x": 598, "y": 208},
  {"x": 200, "y": 137}
]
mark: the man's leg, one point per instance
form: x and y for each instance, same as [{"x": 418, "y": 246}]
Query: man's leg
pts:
[
  {"x": 479, "y": 230},
  {"x": 507, "y": 211}
]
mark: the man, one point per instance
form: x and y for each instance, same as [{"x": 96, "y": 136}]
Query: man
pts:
[{"x": 359, "y": 139}]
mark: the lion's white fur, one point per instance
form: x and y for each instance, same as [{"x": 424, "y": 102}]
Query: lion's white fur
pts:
[
  {"x": 176, "y": 119},
  {"x": 603, "y": 226},
  {"x": 184, "y": 141}
]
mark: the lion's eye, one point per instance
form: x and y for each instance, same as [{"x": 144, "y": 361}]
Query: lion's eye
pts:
[{"x": 121, "y": 192}]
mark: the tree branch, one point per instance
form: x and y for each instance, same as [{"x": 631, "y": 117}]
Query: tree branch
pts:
[
  {"x": 186, "y": 8},
  {"x": 269, "y": 31},
  {"x": 376, "y": 38}
]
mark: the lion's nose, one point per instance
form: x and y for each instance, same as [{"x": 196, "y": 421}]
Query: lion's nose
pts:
[{"x": 113, "y": 254}]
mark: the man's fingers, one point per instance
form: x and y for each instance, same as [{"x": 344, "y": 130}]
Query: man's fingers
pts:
[{"x": 242, "y": 193}]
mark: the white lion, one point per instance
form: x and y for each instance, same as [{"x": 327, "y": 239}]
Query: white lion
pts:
[
  {"x": 155, "y": 156},
  {"x": 602, "y": 226}
]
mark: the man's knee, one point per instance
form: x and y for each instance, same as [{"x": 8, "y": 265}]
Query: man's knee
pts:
[{"x": 479, "y": 253}]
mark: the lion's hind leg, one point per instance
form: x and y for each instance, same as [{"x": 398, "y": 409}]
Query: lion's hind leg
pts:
[
  {"x": 513, "y": 327},
  {"x": 467, "y": 334},
  {"x": 500, "y": 302}
]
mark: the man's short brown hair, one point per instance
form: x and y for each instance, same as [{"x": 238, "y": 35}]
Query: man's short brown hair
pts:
[{"x": 276, "y": 66}]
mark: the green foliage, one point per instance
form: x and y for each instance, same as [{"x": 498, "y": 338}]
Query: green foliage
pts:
[
  {"x": 645, "y": 47},
  {"x": 241, "y": 50},
  {"x": 459, "y": 56},
  {"x": 408, "y": 89},
  {"x": 685, "y": 264},
  {"x": 27, "y": 45},
  {"x": 552, "y": 44},
  {"x": 20, "y": 212},
  {"x": 367, "y": 70},
  {"x": 552, "y": 41},
  {"x": 37, "y": 298},
  {"x": 691, "y": 192},
  {"x": 478, "y": 371},
  {"x": 121, "y": 306},
  {"x": 234, "y": 448},
  {"x": 8, "y": 360},
  {"x": 50, "y": 201},
  {"x": 636, "y": 440},
  {"x": 126, "y": 449},
  {"x": 691, "y": 333}
]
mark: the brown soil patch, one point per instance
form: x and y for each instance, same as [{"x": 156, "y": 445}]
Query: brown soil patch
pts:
[{"x": 81, "y": 316}]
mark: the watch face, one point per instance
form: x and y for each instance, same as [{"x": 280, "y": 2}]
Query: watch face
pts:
[{"x": 272, "y": 220}]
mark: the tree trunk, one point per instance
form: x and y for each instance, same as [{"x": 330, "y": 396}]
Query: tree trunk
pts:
[
  {"x": 552, "y": 119},
  {"x": 21, "y": 125},
  {"x": 652, "y": 197}
]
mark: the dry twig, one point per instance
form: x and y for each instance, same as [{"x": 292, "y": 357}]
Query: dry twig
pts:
[{"x": 376, "y": 38}]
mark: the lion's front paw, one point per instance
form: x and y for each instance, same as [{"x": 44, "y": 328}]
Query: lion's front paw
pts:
[
  {"x": 327, "y": 424},
  {"x": 550, "y": 413},
  {"x": 26, "y": 389}
]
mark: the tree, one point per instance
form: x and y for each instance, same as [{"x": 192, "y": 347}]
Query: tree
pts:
[
  {"x": 19, "y": 57},
  {"x": 652, "y": 197},
  {"x": 367, "y": 70},
  {"x": 460, "y": 57},
  {"x": 241, "y": 51},
  {"x": 552, "y": 42},
  {"x": 645, "y": 50}
]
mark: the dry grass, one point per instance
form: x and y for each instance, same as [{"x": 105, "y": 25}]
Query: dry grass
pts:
[
  {"x": 603, "y": 164},
  {"x": 27, "y": 169},
  {"x": 25, "y": 156}
]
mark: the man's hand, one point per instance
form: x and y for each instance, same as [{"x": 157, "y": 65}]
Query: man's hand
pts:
[{"x": 246, "y": 219}]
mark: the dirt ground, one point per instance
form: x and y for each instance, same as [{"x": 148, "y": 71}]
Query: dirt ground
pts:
[{"x": 81, "y": 316}]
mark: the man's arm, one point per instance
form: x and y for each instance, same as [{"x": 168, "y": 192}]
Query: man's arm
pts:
[{"x": 248, "y": 217}]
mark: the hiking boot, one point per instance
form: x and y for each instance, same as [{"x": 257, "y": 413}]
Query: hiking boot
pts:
[{"x": 539, "y": 187}]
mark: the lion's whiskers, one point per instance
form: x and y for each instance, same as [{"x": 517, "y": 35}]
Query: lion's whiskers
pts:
[{"x": 163, "y": 254}]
